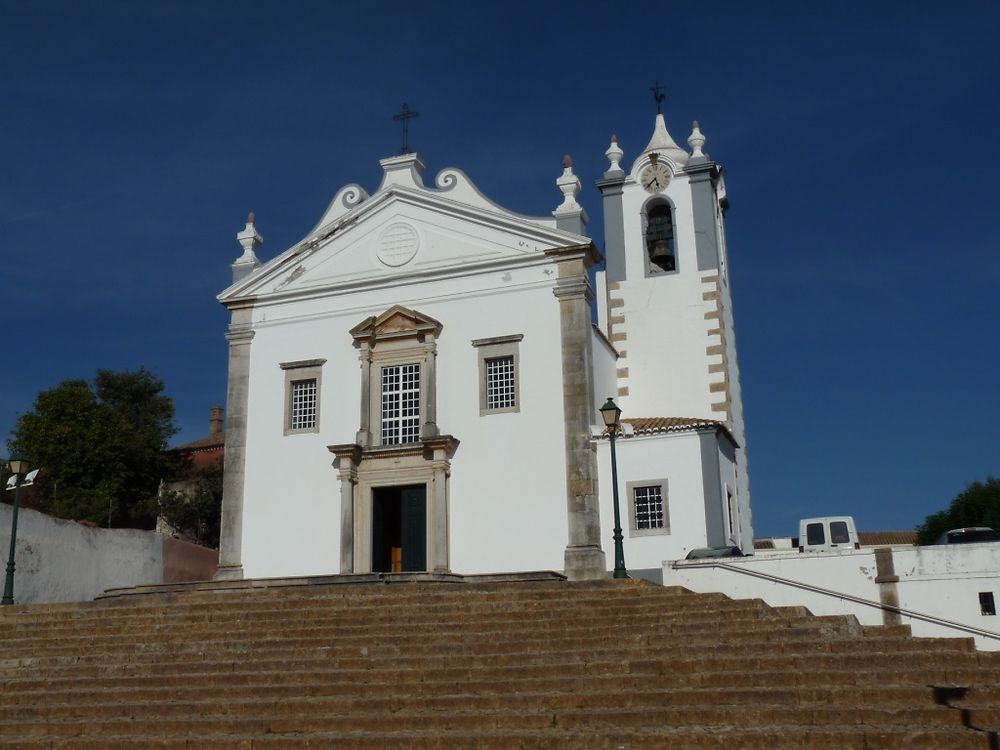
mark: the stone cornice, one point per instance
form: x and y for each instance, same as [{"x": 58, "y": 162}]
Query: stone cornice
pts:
[
  {"x": 243, "y": 303},
  {"x": 536, "y": 232},
  {"x": 702, "y": 169},
  {"x": 376, "y": 328},
  {"x": 240, "y": 335},
  {"x": 607, "y": 185},
  {"x": 301, "y": 363},
  {"x": 587, "y": 253},
  {"x": 381, "y": 282},
  {"x": 357, "y": 453},
  {"x": 573, "y": 288}
]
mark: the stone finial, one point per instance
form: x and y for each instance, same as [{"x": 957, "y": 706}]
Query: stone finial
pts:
[
  {"x": 696, "y": 140},
  {"x": 614, "y": 155},
  {"x": 250, "y": 239},
  {"x": 570, "y": 186}
]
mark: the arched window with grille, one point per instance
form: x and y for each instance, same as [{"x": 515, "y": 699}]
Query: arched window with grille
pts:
[{"x": 660, "y": 237}]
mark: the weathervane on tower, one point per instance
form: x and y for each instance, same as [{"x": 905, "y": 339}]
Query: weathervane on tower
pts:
[
  {"x": 657, "y": 94},
  {"x": 404, "y": 116}
]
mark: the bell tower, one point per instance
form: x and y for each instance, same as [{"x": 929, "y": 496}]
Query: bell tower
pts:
[{"x": 665, "y": 292}]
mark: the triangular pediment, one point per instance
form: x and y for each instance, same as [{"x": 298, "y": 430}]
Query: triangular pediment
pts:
[
  {"x": 402, "y": 232},
  {"x": 396, "y": 322}
]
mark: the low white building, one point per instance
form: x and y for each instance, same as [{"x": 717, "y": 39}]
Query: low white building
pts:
[
  {"x": 415, "y": 385},
  {"x": 946, "y": 590}
]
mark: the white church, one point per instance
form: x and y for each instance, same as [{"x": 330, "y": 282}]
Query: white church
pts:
[{"x": 415, "y": 386}]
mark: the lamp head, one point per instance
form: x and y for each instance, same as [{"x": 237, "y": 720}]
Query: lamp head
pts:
[
  {"x": 18, "y": 466},
  {"x": 610, "y": 413}
]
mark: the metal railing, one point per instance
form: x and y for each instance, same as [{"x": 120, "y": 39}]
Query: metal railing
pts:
[{"x": 940, "y": 621}]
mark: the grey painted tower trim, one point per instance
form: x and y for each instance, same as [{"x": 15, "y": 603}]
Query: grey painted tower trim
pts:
[
  {"x": 706, "y": 236},
  {"x": 711, "y": 477},
  {"x": 614, "y": 226}
]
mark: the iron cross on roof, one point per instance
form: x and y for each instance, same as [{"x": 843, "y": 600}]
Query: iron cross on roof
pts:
[
  {"x": 405, "y": 115},
  {"x": 657, "y": 94}
]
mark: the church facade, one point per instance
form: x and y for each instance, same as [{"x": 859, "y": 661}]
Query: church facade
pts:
[{"x": 415, "y": 385}]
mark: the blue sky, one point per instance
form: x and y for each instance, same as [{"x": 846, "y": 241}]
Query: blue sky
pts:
[{"x": 858, "y": 140}]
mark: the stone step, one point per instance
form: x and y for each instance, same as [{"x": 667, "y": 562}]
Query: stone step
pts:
[
  {"x": 870, "y": 653},
  {"x": 25, "y": 621},
  {"x": 838, "y": 670},
  {"x": 583, "y": 591},
  {"x": 736, "y": 635},
  {"x": 865, "y": 689},
  {"x": 315, "y": 716},
  {"x": 637, "y": 738},
  {"x": 830, "y": 706},
  {"x": 555, "y": 620},
  {"x": 537, "y": 665}
]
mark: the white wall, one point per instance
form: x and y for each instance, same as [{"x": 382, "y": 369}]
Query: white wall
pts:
[
  {"x": 507, "y": 489},
  {"x": 675, "y": 457},
  {"x": 64, "y": 561},
  {"x": 941, "y": 581},
  {"x": 605, "y": 373},
  {"x": 665, "y": 324}
]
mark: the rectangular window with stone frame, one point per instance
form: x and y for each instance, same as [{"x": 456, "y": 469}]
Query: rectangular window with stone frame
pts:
[
  {"x": 499, "y": 374},
  {"x": 648, "y": 509},
  {"x": 303, "y": 379},
  {"x": 401, "y": 404}
]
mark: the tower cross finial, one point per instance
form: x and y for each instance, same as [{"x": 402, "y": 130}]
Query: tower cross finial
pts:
[
  {"x": 659, "y": 96},
  {"x": 404, "y": 116}
]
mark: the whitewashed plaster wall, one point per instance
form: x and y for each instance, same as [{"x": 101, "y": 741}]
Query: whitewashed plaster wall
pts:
[
  {"x": 675, "y": 457},
  {"x": 63, "y": 561},
  {"x": 605, "y": 373},
  {"x": 665, "y": 324},
  {"x": 940, "y": 581},
  {"x": 507, "y": 489}
]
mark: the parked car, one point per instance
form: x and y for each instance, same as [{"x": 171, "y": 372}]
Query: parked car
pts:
[
  {"x": 829, "y": 533},
  {"x": 969, "y": 535}
]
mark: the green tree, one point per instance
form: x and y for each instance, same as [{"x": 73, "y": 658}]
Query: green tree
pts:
[
  {"x": 978, "y": 505},
  {"x": 193, "y": 505},
  {"x": 101, "y": 447}
]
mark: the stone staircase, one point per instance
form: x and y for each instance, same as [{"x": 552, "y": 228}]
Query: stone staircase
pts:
[{"x": 493, "y": 666}]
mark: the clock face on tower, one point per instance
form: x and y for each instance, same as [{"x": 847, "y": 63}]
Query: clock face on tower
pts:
[{"x": 654, "y": 178}]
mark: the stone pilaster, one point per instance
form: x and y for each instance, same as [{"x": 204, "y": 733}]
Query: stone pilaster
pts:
[
  {"x": 428, "y": 377},
  {"x": 240, "y": 335},
  {"x": 349, "y": 456},
  {"x": 584, "y": 556},
  {"x": 439, "y": 509},
  {"x": 364, "y": 436}
]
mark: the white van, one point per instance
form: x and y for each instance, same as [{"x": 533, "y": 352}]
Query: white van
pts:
[{"x": 825, "y": 534}]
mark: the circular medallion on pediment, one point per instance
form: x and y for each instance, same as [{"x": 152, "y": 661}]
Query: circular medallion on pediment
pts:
[{"x": 397, "y": 244}]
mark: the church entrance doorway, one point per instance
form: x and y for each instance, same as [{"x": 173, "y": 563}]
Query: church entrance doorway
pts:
[{"x": 399, "y": 528}]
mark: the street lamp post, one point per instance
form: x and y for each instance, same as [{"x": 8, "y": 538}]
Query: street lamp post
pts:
[
  {"x": 18, "y": 467},
  {"x": 611, "y": 415}
]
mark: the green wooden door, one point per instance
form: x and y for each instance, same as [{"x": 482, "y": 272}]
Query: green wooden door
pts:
[{"x": 413, "y": 509}]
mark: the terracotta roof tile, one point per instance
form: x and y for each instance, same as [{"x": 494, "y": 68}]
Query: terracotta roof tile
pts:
[
  {"x": 878, "y": 538},
  {"x": 212, "y": 441},
  {"x": 649, "y": 425}
]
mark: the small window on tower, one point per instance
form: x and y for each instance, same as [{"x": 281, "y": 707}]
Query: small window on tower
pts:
[
  {"x": 648, "y": 510},
  {"x": 660, "y": 237}
]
